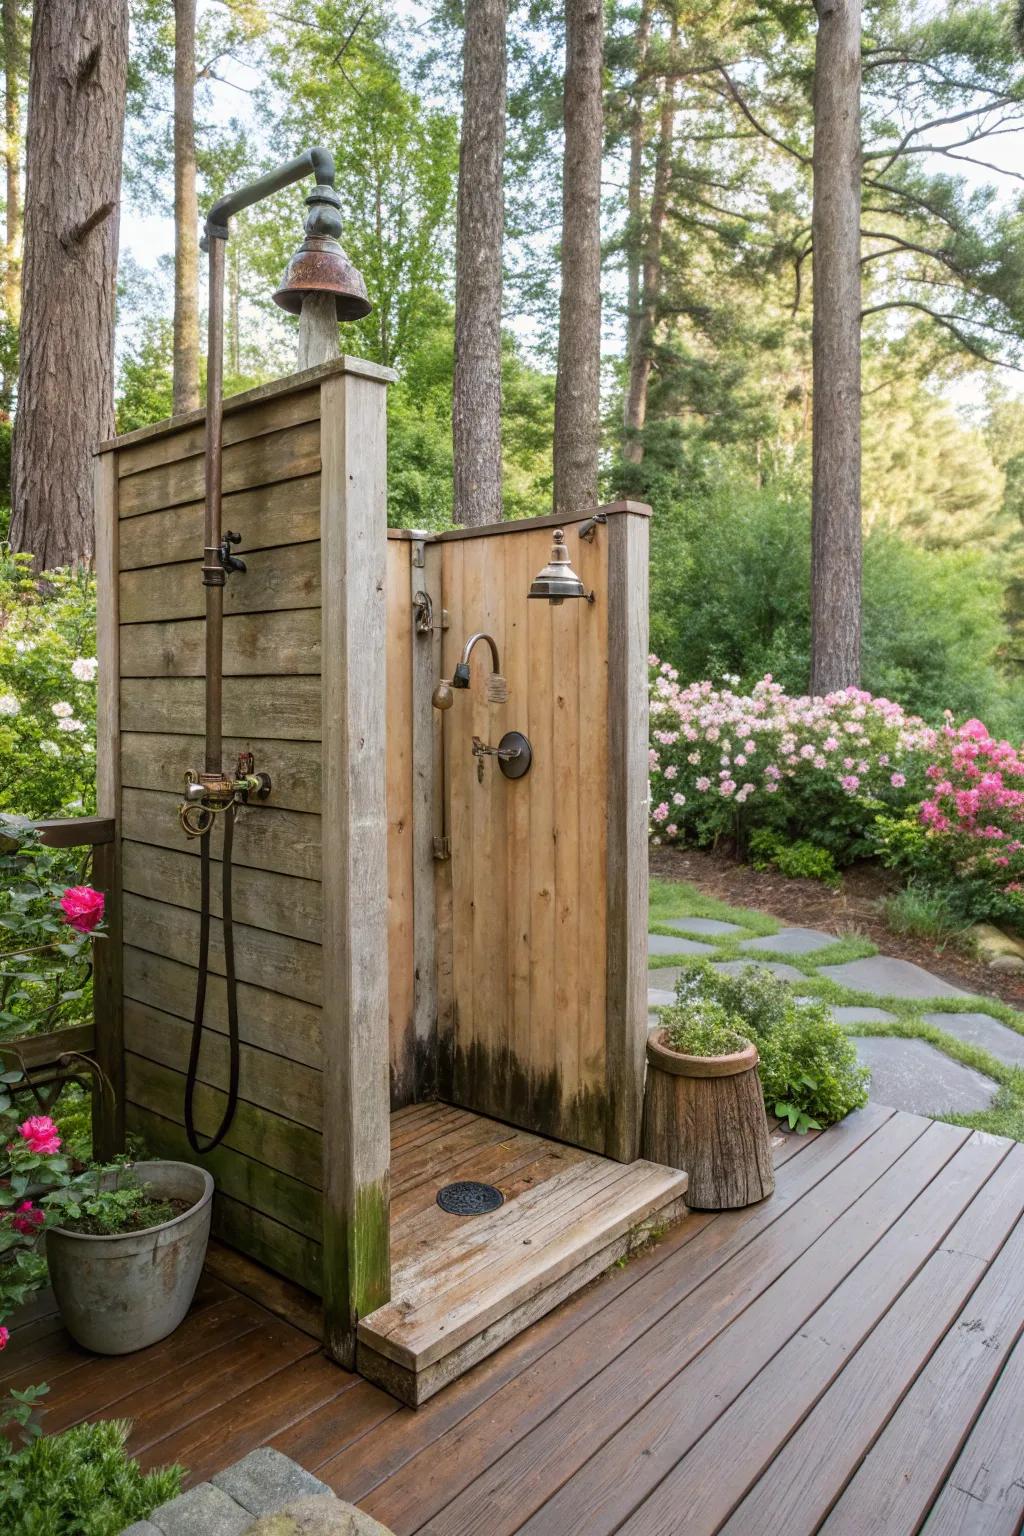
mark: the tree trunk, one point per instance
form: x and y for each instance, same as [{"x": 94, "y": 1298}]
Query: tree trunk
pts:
[
  {"x": 634, "y": 189},
  {"x": 578, "y": 381},
  {"x": 13, "y": 66},
  {"x": 835, "y": 234},
  {"x": 76, "y": 99},
  {"x": 186, "y": 212},
  {"x": 476, "y": 397},
  {"x": 642, "y": 350}
]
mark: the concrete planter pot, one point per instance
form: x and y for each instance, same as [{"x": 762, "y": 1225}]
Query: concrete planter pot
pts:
[
  {"x": 122, "y": 1293},
  {"x": 706, "y": 1115}
]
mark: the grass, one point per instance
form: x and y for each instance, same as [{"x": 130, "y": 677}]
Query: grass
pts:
[{"x": 1005, "y": 1117}]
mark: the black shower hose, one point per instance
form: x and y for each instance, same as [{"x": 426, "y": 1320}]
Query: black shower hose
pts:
[{"x": 232, "y": 988}]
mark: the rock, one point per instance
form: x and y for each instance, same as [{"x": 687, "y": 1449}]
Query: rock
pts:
[
  {"x": 982, "y": 1029},
  {"x": 855, "y": 1014},
  {"x": 778, "y": 969},
  {"x": 1006, "y": 963},
  {"x": 318, "y": 1516},
  {"x": 993, "y": 945},
  {"x": 202, "y": 1511},
  {"x": 265, "y": 1480}
]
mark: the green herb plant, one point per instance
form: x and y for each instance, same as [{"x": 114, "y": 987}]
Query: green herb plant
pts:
[{"x": 79, "y": 1483}]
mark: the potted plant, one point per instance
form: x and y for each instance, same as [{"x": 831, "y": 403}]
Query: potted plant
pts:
[
  {"x": 703, "y": 1108},
  {"x": 126, "y": 1249}
]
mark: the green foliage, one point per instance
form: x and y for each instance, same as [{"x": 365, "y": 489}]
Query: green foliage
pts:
[
  {"x": 79, "y": 1483},
  {"x": 807, "y": 1062},
  {"x": 45, "y": 964},
  {"x": 108, "y": 1199},
  {"x": 924, "y": 912},
  {"x": 796, "y": 860},
  {"x": 702, "y": 1027},
  {"x": 47, "y": 690}
]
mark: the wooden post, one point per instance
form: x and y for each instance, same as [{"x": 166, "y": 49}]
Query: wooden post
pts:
[
  {"x": 108, "y": 990},
  {"x": 427, "y": 772},
  {"x": 626, "y": 1037},
  {"x": 356, "y": 1100},
  {"x": 318, "y": 331}
]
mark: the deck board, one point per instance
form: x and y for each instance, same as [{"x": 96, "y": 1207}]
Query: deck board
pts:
[{"x": 845, "y": 1357}]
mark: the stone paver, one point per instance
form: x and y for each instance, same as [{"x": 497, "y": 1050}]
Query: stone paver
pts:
[
  {"x": 202, "y": 1511},
  {"x": 912, "y": 1075},
  {"x": 284, "y": 1498},
  {"x": 791, "y": 941},
  {"x": 265, "y": 1481},
  {"x": 982, "y": 1029},
  {"x": 890, "y": 978},
  {"x": 853, "y": 1013},
  {"x": 661, "y": 944},
  {"x": 709, "y": 925},
  {"x": 318, "y": 1517},
  {"x": 659, "y": 998},
  {"x": 777, "y": 967},
  {"x": 664, "y": 977}
]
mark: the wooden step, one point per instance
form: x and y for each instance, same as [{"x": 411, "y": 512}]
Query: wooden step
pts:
[{"x": 483, "y": 1280}]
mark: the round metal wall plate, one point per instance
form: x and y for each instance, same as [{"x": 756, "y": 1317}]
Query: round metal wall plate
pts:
[
  {"x": 467, "y": 1198},
  {"x": 515, "y": 767}
]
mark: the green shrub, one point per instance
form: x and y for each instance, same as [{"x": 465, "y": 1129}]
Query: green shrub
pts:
[
  {"x": 703, "y": 1028},
  {"x": 797, "y": 860},
  {"x": 809, "y": 1070},
  {"x": 79, "y": 1483}
]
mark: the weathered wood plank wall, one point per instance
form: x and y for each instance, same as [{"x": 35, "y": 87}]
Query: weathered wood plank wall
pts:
[
  {"x": 269, "y": 1169},
  {"x": 534, "y": 1027}
]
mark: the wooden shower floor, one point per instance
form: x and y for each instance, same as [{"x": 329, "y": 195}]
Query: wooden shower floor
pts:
[{"x": 462, "y": 1286}]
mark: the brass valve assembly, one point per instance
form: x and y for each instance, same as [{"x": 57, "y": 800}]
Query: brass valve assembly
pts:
[{"x": 209, "y": 794}]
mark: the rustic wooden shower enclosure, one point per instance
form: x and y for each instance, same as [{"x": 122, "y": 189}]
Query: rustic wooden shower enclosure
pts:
[{"x": 410, "y": 925}]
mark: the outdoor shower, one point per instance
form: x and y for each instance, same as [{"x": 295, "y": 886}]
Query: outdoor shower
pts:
[{"x": 318, "y": 268}]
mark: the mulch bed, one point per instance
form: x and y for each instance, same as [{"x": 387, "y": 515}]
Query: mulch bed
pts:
[{"x": 854, "y": 908}]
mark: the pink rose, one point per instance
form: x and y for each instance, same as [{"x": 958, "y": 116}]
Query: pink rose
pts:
[
  {"x": 82, "y": 907},
  {"x": 4, "y": 1336},
  {"x": 41, "y": 1135}
]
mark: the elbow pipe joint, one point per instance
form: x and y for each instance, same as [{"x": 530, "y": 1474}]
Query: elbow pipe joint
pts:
[{"x": 317, "y": 162}]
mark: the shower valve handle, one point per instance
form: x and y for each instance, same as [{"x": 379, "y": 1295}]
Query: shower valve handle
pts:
[{"x": 229, "y": 561}]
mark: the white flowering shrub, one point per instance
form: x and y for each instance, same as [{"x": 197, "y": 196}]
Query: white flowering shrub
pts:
[
  {"x": 723, "y": 763},
  {"x": 47, "y": 691}
]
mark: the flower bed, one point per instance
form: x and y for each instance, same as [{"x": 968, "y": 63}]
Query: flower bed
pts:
[{"x": 724, "y": 763}]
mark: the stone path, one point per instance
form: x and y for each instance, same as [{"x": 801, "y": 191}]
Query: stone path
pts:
[
  {"x": 265, "y": 1494},
  {"x": 908, "y": 1074}
]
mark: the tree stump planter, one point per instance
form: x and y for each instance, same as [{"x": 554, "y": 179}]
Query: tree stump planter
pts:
[{"x": 706, "y": 1115}]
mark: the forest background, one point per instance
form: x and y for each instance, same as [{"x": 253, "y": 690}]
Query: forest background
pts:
[{"x": 707, "y": 289}]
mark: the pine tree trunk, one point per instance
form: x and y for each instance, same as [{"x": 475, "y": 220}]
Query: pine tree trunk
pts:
[
  {"x": 835, "y": 234},
  {"x": 13, "y": 66},
  {"x": 578, "y": 382},
  {"x": 186, "y": 212},
  {"x": 634, "y": 189},
  {"x": 642, "y": 352},
  {"x": 476, "y": 398}
]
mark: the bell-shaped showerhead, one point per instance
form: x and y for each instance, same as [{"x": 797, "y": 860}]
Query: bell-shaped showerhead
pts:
[
  {"x": 320, "y": 265},
  {"x": 557, "y": 580}
]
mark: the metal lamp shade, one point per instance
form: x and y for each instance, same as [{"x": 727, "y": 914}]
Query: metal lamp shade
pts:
[
  {"x": 321, "y": 266},
  {"x": 557, "y": 580}
]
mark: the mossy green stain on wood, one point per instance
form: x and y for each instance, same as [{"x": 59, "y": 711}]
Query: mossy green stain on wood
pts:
[{"x": 356, "y": 1266}]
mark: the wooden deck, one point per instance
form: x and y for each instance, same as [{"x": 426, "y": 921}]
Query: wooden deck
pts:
[{"x": 845, "y": 1357}]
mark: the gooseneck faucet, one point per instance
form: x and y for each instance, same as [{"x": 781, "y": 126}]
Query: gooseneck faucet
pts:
[{"x": 497, "y": 686}]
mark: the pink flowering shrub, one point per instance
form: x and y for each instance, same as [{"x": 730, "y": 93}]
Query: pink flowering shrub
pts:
[
  {"x": 723, "y": 763},
  {"x": 968, "y": 833}
]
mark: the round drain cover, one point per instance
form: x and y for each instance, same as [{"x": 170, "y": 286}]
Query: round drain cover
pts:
[{"x": 467, "y": 1198}]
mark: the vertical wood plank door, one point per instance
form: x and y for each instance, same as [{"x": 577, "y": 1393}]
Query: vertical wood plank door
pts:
[{"x": 545, "y": 1025}]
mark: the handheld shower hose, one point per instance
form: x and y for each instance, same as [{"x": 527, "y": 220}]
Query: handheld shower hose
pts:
[{"x": 318, "y": 267}]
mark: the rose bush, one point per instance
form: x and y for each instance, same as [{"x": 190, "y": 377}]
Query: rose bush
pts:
[{"x": 723, "y": 763}]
